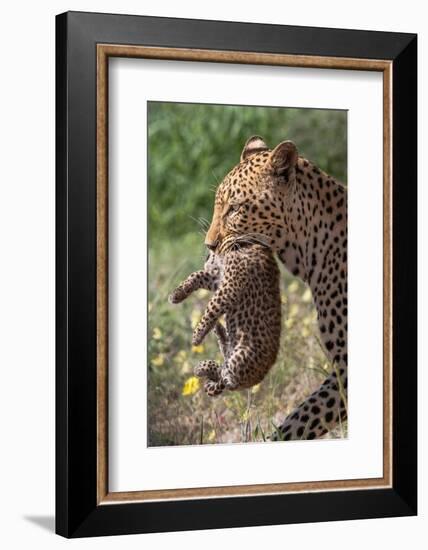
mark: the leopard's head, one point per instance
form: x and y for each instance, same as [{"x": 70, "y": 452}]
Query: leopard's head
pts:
[{"x": 249, "y": 202}]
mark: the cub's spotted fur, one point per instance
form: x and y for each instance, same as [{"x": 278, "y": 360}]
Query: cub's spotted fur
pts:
[{"x": 245, "y": 281}]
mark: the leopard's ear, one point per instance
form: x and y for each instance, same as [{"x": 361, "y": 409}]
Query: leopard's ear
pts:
[
  {"x": 284, "y": 157},
  {"x": 254, "y": 145}
]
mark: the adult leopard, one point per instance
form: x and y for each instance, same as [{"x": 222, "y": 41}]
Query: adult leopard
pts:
[{"x": 285, "y": 201}]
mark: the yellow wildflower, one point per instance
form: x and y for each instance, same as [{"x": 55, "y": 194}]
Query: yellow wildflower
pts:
[
  {"x": 307, "y": 296},
  {"x": 293, "y": 286},
  {"x": 255, "y": 388},
  {"x": 294, "y": 310},
  {"x": 191, "y": 386},
  {"x": 211, "y": 435},
  {"x": 198, "y": 349},
  {"x": 180, "y": 356},
  {"x": 289, "y": 323},
  {"x": 245, "y": 416},
  {"x": 307, "y": 321},
  {"x": 185, "y": 367},
  {"x": 305, "y": 332},
  {"x": 194, "y": 318},
  {"x": 159, "y": 360},
  {"x": 157, "y": 334}
]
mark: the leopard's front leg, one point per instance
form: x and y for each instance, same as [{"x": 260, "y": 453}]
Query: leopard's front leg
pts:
[{"x": 195, "y": 281}]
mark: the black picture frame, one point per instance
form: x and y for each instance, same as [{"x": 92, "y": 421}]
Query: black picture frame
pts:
[{"x": 77, "y": 511}]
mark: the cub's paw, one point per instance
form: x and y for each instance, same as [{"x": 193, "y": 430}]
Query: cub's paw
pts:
[
  {"x": 197, "y": 337},
  {"x": 207, "y": 369},
  {"x": 213, "y": 388},
  {"x": 175, "y": 297}
]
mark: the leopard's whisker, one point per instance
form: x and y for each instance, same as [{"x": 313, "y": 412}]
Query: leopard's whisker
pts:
[
  {"x": 204, "y": 222},
  {"x": 200, "y": 224},
  {"x": 215, "y": 177}
]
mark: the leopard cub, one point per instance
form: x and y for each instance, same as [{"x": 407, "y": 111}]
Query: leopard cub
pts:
[{"x": 245, "y": 282}]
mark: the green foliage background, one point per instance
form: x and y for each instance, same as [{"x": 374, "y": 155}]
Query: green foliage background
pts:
[{"x": 190, "y": 149}]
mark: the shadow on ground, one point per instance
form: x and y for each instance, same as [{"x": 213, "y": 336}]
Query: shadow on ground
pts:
[{"x": 45, "y": 522}]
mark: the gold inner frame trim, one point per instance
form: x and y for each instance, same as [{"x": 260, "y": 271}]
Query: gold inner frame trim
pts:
[{"x": 104, "y": 51}]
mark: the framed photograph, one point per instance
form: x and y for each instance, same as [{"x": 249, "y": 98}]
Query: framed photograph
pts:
[{"x": 230, "y": 197}]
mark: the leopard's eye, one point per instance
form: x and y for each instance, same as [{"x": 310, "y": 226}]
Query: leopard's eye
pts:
[{"x": 233, "y": 208}]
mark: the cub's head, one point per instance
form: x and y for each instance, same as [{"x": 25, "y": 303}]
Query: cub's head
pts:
[
  {"x": 213, "y": 264},
  {"x": 249, "y": 201}
]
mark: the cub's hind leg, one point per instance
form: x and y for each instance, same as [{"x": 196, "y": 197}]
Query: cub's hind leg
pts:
[
  {"x": 239, "y": 370},
  {"x": 222, "y": 339},
  {"x": 229, "y": 379}
]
